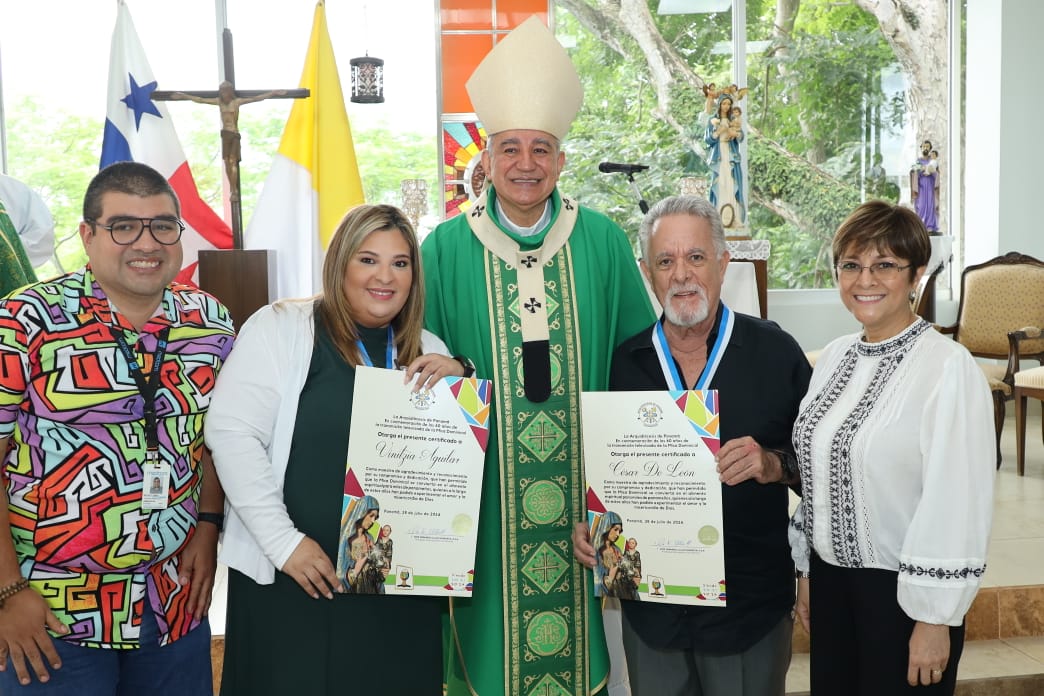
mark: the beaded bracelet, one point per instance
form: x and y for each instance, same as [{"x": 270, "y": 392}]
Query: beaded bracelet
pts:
[{"x": 12, "y": 589}]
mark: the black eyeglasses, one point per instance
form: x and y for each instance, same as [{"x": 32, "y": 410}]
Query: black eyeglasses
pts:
[{"x": 127, "y": 230}]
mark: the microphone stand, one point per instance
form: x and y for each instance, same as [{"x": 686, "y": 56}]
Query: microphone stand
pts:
[{"x": 637, "y": 192}]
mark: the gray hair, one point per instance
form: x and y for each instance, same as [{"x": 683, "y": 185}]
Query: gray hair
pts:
[{"x": 683, "y": 205}]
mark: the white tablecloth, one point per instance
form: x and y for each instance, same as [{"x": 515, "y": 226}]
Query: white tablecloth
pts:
[
  {"x": 942, "y": 250},
  {"x": 740, "y": 289}
]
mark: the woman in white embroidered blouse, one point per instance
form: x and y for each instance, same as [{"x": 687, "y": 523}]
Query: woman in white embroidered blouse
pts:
[{"x": 895, "y": 443}]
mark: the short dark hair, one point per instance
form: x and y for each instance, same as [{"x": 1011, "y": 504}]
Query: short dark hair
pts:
[
  {"x": 886, "y": 228},
  {"x": 133, "y": 178}
]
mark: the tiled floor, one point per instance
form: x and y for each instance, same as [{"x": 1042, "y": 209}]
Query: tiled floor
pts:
[{"x": 1016, "y": 558}]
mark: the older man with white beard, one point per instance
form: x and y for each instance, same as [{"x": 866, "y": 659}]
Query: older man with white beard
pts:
[{"x": 761, "y": 374}]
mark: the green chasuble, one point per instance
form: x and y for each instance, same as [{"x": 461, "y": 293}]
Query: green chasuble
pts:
[
  {"x": 15, "y": 269},
  {"x": 532, "y": 626}
]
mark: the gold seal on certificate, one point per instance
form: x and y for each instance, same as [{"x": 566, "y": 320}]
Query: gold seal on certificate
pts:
[
  {"x": 653, "y": 495},
  {"x": 409, "y": 516}
]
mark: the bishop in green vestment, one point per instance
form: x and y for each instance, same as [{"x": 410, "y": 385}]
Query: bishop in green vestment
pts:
[{"x": 537, "y": 291}]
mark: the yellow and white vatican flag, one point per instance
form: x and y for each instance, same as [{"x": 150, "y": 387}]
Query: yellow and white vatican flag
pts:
[{"x": 314, "y": 178}]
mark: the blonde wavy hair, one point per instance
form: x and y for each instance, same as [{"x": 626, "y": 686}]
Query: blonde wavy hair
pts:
[{"x": 333, "y": 308}]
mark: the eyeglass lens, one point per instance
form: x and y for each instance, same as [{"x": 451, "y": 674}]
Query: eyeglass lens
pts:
[{"x": 128, "y": 230}]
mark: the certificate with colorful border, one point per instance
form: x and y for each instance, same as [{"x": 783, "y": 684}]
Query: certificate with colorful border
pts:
[
  {"x": 653, "y": 495},
  {"x": 412, "y": 485}
]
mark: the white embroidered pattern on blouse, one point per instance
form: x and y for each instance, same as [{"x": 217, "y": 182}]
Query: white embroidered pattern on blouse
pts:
[{"x": 844, "y": 538}]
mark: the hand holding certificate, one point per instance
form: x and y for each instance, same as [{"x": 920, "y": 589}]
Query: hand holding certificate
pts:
[
  {"x": 413, "y": 480},
  {"x": 653, "y": 495}
]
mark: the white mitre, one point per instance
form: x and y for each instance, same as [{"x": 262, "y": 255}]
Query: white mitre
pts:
[{"x": 527, "y": 82}]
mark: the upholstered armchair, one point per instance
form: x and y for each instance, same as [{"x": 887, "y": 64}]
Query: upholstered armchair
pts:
[{"x": 1002, "y": 295}]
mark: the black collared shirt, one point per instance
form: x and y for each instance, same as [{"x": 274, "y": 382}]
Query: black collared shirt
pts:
[{"x": 761, "y": 380}]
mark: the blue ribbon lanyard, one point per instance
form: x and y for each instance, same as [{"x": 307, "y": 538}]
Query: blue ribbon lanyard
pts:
[
  {"x": 390, "y": 351},
  {"x": 717, "y": 351},
  {"x": 146, "y": 386}
]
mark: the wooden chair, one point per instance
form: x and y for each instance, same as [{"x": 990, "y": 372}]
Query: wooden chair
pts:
[
  {"x": 1027, "y": 383},
  {"x": 924, "y": 299},
  {"x": 1002, "y": 295}
]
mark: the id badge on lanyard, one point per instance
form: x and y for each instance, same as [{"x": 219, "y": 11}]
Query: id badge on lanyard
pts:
[
  {"x": 155, "y": 492},
  {"x": 155, "y": 488}
]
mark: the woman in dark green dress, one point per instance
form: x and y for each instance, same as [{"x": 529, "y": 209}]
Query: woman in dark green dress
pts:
[{"x": 278, "y": 427}]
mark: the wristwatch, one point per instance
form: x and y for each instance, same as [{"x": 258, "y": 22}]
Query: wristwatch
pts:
[
  {"x": 215, "y": 518},
  {"x": 788, "y": 462},
  {"x": 469, "y": 367}
]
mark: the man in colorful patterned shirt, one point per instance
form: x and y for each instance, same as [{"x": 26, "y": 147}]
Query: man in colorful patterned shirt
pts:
[{"x": 105, "y": 377}]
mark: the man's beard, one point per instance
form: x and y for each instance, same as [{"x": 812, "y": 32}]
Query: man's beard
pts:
[{"x": 686, "y": 318}]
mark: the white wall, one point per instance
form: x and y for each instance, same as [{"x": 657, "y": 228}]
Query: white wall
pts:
[
  {"x": 813, "y": 317},
  {"x": 1004, "y": 105},
  {"x": 981, "y": 158},
  {"x": 1022, "y": 101}
]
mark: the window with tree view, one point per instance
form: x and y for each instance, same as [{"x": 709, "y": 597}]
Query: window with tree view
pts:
[{"x": 839, "y": 98}]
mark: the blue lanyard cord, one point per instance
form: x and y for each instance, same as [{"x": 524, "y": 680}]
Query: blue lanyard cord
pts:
[
  {"x": 389, "y": 355},
  {"x": 146, "y": 387},
  {"x": 667, "y": 362},
  {"x": 717, "y": 351}
]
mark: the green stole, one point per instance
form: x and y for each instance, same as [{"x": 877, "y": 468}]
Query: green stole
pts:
[
  {"x": 15, "y": 268},
  {"x": 531, "y": 302}
]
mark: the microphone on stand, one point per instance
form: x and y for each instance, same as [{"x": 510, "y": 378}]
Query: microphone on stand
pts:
[
  {"x": 630, "y": 170},
  {"x": 613, "y": 168}
]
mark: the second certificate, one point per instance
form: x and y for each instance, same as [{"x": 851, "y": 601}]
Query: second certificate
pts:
[
  {"x": 409, "y": 516},
  {"x": 653, "y": 495}
]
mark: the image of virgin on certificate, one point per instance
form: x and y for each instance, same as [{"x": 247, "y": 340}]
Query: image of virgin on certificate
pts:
[
  {"x": 651, "y": 478},
  {"x": 617, "y": 574},
  {"x": 414, "y": 465}
]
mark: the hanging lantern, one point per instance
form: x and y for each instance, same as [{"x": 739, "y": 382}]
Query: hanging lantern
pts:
[{"x": 367, "y": 80}]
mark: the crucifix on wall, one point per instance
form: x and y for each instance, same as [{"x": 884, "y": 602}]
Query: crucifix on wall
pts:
[
  {"x": 239, "y": 277},
  {"x": 228, "y": 100}
]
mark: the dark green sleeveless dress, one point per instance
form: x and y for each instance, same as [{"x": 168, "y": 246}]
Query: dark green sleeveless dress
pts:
[{"x": 280, "y": 641}]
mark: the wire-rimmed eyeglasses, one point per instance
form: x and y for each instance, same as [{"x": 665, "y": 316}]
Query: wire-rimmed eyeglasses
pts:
[
  {"x": 881, "y": 269},
  {"x": 127, "y": 230}
]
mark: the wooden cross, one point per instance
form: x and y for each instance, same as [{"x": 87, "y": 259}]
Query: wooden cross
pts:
[{"x": 228, "y": 99}]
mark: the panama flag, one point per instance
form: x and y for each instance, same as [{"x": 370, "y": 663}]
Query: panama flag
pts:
[
  {"x": 314, "y": 178},
  {"x": 140, "y": 130}
]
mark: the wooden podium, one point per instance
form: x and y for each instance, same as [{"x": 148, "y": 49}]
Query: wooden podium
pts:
[{"x": 243, "y": 279}]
